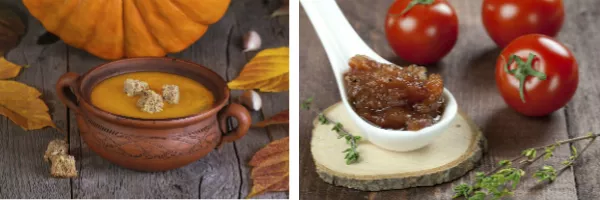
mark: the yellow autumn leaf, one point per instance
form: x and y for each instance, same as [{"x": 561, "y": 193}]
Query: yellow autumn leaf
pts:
[
  {"x": 268, "y": 71},
  {"x": 21, "y": 104},
  {"x": 8, "y": 69}
]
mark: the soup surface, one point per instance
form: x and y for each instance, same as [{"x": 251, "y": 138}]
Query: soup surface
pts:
[{"x": 194, "y": 98}]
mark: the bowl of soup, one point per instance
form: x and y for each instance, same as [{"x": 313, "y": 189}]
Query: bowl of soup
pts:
[{"x": 112, "y": 124}]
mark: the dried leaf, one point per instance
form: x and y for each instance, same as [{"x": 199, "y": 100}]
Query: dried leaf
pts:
[
  {"x": 268, "y": 71},
  {"x": 11, "y": 29},
  {"x": 283, "y": 10},
  {"x": 21, "y": 104},
  {"x": 8, "y": 69},
  {"x": 275, "y": 147},
  {"x": 280, "y": 118},
  {"x": 271, "y": 168}
]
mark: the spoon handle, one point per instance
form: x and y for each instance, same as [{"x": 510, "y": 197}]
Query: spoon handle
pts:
[{"x": 340, "y": 40}]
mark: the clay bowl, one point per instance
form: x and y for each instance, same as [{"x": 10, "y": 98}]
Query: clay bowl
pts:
[{"x": 149, "y": 144}]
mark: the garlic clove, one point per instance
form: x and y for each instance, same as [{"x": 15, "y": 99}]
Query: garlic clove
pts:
[
  {"x": 251, "y": 99},
  {"x": 252, "y": 41}
]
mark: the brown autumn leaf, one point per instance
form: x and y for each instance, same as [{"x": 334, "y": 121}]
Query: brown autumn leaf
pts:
[
  {"x": 11, "y": 29},
  {"x": 21, "y": 104},
  {"x": 270, "y": 172},
  {"x": 268, "y": 71},
  {"x": 283, "y": 10},
  {"x": 282, "y": 117}
]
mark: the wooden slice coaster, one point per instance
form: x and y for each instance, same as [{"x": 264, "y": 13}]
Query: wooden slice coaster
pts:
[{"x": 450, "y": 156}]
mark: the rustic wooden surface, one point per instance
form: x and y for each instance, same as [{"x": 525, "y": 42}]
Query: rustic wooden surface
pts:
[
  {"x": 224, "y": 173},
  {"x": 468, "y": 73}
]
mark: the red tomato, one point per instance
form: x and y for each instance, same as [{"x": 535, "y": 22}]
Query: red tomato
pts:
[
  {"x": 506, "y": 20},
  {"x": 423, "y": 34},
  {"x": 548, "y": 71}
]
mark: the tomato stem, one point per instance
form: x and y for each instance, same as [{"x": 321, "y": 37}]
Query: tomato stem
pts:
[
  {"x": 414, "y": 3},
  {"x": 523, "y": 70}
]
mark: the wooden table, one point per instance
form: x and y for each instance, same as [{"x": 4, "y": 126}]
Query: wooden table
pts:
[
  {"x": 468, "y": 72},
  {"x": 224, "y": 173}
]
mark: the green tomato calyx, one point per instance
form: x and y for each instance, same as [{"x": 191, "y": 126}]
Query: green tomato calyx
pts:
[
  {"x": 414, "y": 3},
  {"x": 523, "y": 70}
]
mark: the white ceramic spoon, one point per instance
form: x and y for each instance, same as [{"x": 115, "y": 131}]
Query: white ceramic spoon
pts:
[{"x": 341, "y": 43}]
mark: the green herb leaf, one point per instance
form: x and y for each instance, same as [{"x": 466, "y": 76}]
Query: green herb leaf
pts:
[
  {"x": 323, "y": 119},
  {"x": 351, "y": 157},
  {"x": 504, "y": 163},
  {"x": 338, "y": 127},
  {"x": 573, "y": 151},
  {"x": 574, "y": 155},
  {"x": 546, "y": 173},
  {"x": 530, "y": 153},
  {"x": 306, "y": 103},
  {"x": 462, "y": 190},
  {"x": 479, "y": 195},
  {"x": 549, "y": 152}
]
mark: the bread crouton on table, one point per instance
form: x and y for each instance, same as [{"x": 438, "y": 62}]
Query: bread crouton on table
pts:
[
  {"x": 56, "y": 147},
  {"x": 63, "y": 166}
]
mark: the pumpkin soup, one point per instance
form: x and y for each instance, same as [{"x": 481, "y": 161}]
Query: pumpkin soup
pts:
[{"x": 194, "y": 98}]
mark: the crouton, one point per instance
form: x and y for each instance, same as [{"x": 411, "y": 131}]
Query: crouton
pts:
[
  {"x": 134, "y": 87},
  {"x": 170, "y": 93},
  {"x": 63, "y": 166},
  {"x": 150, "y": 102},
  {"x": 56, "y": 147}
]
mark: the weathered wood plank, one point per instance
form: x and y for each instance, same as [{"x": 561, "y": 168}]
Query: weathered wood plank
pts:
[
  {"x": 23, "y": 173},
  {"x": 274, "y": 32},
  {"x": 582, "y": 112},
  {"x": 468, "y": 73}
]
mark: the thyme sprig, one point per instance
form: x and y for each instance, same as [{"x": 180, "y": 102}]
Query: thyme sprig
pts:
[
  {"x": 351, "y": 152},
  {"x": 504, "y": 178}
]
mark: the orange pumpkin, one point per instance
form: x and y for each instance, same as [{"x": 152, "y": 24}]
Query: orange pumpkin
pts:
[{"x": 113, "y": 29}]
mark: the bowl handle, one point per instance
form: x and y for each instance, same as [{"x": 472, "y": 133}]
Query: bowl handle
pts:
[
  {"x": 69, "y": 83},
  {"x": 243, "y": 118}
]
